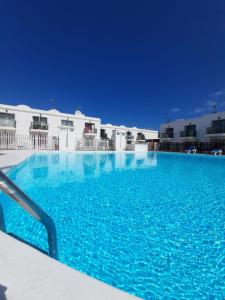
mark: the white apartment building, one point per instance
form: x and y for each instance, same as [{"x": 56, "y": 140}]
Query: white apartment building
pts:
[
  {"x": 22, "y": 127},
  {"x": 128, "y": 138},
  {"x": 207, "y": 128}
]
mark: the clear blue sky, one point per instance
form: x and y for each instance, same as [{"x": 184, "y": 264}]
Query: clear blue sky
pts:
[{"x": 128, "y": 62}]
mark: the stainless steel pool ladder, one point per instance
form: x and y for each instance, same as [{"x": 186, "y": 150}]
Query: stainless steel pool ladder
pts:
[{"x": 10, "y": 189}]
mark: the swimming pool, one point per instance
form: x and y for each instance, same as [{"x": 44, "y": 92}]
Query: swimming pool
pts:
[{"x": 152, "y": 224}]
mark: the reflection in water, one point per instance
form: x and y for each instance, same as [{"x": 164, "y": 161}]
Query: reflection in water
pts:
[
  {"x": 55, "y": 159},
  {"x": 41, "y": 165},
  {"x": 78, "y": 166},
  {"x": 39, "y": 159},
  {"x": 40, "y": 172}
]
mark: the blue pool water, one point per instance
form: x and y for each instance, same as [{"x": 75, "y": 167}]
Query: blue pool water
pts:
[{"x": 151, "y": 224}]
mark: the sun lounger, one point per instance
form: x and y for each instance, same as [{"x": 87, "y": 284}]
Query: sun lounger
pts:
[
  {"x": 217, "y": 151},
  {"x": 191, "y": 150}
]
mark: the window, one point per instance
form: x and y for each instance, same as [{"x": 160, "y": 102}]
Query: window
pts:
[
  {"x": 67, "y": 123},
  {"x": 89, "y": 125},
  {"x": 103, "y": 134},
  {"x": 140, "y": 136},
  {"x": 7, "y": 120},
  {"x": 40, "y": 120},
  {"x": 218, "y": 123},
  {"x": 90, "y": 128},
  {"x": 39, "y": 123},
  {"x": 169, "y": 131},
  {"x": 191, "y": 130},
  {"x": 7, "y": 116}
]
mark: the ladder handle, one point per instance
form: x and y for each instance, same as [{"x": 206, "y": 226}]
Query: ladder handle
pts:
[
  {"x": 10, "y": 189},
  {"x": 2, "y": 220}
]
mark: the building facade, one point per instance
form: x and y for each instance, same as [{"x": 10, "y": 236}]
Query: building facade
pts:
[
  {"x": 208, "y": 128},
  {"x": 22, "y": 127}
]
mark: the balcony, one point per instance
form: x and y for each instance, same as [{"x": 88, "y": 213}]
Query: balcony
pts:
[
  {"x": 166, "y": 135},
  {"x": 90, "y": 131},
  {"x": 7, "y": 124},
  {"x": 188, "y": 134},
  {"x": 215, "y": 130},
  {"x": 38, "y": 127}
]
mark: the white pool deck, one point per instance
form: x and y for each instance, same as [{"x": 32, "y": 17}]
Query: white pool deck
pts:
[
  {"x": 26, "y": 273},
  {"x": 9, "y": 159}
]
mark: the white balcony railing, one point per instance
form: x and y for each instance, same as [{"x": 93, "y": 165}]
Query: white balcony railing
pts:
[
  {"x": 39, "y": 126},
  {"x": 12, "y": 141}
]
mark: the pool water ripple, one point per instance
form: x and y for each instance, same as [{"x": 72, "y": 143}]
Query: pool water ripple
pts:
[{"x": 152, "y": 224}]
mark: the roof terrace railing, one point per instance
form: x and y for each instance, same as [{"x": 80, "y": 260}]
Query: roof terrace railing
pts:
[{"x": 10, "y": 189}]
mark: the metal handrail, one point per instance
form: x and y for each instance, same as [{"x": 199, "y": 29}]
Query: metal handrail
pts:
[
  {"x": 10, "y": 189},
  {"x": 2, "y": 220}
]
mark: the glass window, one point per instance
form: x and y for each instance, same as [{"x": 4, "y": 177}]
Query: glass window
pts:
[
  {"x": 40, "y": 119},
  {"x": 140, "y": 136},
  {"x": 190, "y": 128},
  {"x": 67, "y": 123},
  {"x": 89, "y": 125},
  {"x": 7, "y": 116},
  {"x": 218, "y": 123},
  {"x": 169, "y": 130}
]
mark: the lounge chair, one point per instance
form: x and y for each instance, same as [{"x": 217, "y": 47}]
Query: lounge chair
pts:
[
  {"x": 191, "y": 149},
  {"x": 217, "y": 151}
]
